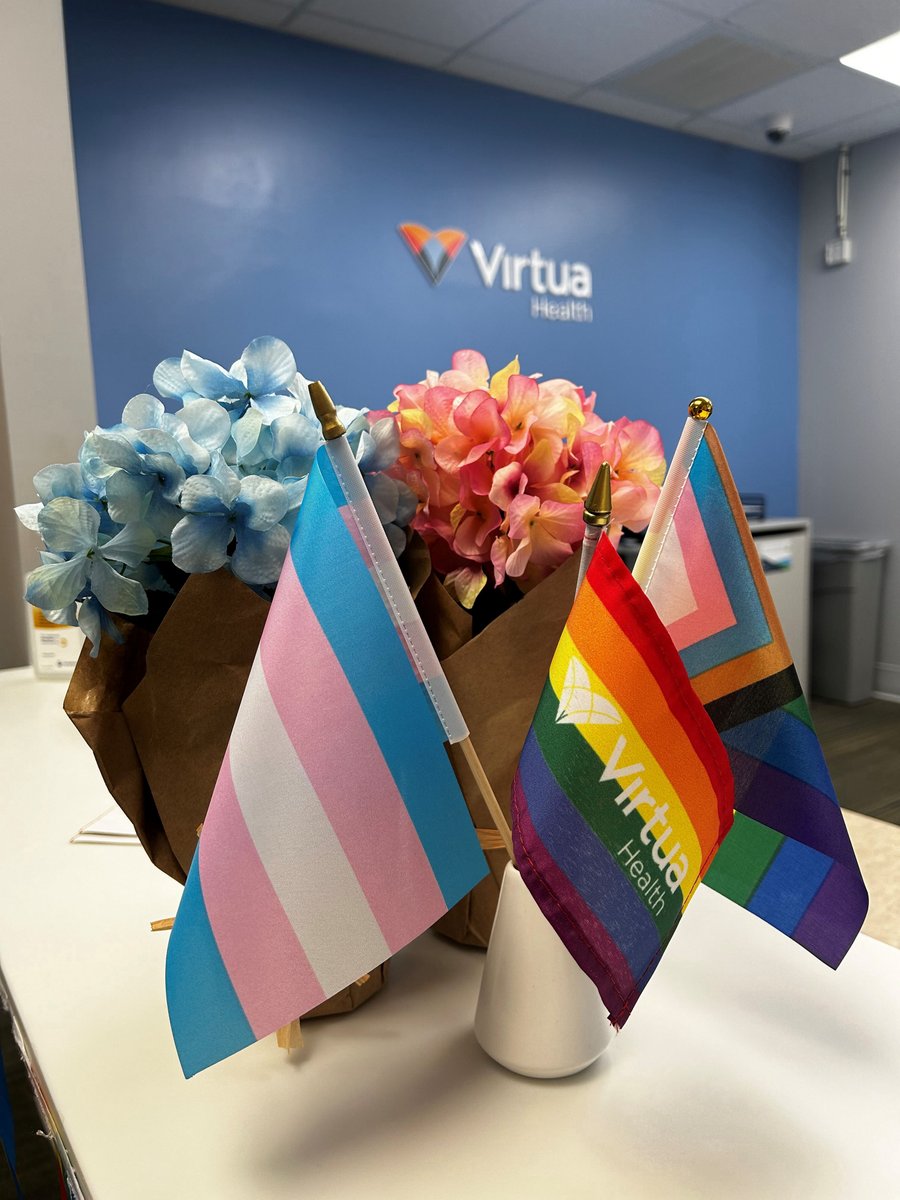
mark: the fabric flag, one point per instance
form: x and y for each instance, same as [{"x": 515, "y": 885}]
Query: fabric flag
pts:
[
  {"x": 788, "y": 857},
  {"x": 337, "y": 832},
  {"x": 623, "y": 792}
]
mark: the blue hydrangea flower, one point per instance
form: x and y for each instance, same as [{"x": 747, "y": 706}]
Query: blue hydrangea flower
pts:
[
  {"x": 222, "y": 508},
  {"x": 77, "y": 565},
  {"x": 260, "y": 379},
  {"x": 216, "y": 483},
  {"x": 59, "y": 479}
]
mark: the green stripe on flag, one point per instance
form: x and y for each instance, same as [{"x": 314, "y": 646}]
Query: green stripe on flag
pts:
[
  {"x": 577, "y": 770},
  {"x": 743, "y": 859},
  {"x": 798, "y": 708}
]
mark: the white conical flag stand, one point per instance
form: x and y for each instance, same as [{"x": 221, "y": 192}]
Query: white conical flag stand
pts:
[{"x": 538, "y": 1013}]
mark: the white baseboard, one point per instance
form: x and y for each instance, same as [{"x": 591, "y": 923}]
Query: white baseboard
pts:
[{"x": 887, "y": 682}]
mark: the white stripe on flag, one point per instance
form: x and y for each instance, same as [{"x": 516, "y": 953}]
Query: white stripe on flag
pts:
[{"x": 299, "y": 849}]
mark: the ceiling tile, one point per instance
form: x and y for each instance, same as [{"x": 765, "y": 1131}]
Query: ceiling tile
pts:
[
  {"x": 585, "y": 40},
  {"x": 626, "y": 106},
  {"x": 734, "y": 135},
  {"x": 860, "y": 129},
  {"x": 505, "y": 75},
  {"x": 442, "y": 22},
  {"x": 269, "y": 13},
  {"x": 823, "y": 28},
  {"x": 816, "y": 100},
  {"x": 370, "y": 41},
  {"x": 708, "y": 73}
]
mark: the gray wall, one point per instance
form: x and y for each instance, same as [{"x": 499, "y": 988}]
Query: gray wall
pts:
[
  {"x": 46, "y": 377},
  {"x": 849, "y": 416}
]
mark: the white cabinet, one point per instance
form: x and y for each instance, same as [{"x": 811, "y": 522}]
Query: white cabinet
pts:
[{"x": 784, "y": 550}]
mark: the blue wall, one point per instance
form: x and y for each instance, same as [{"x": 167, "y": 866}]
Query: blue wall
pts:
[{"x": 234, "y": 182}]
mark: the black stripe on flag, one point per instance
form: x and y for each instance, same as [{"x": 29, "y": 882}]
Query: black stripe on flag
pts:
[{"x": 755, "y": 700}]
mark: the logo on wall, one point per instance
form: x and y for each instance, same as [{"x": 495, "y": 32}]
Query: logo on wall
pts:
[
  {"x": 560, "y": 291},
  {"x": 433, "y": 249}
]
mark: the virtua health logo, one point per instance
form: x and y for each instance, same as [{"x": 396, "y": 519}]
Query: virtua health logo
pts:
[{"x": 559, "y": 291}]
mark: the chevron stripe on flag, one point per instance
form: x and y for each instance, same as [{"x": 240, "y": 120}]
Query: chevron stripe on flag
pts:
[{"x": 788, "y": 857}]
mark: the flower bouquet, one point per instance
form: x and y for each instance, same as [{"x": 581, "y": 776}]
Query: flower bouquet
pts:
[
  {"x": 500, "y": 466},
  {"x": 164, "y": 541}
]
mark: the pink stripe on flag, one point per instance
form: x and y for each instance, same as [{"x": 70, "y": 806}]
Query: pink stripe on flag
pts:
[
  {"x": 355, "y": 788},
  {"x": 715, "y": 612},
  {"x": 266, "y": 964}
]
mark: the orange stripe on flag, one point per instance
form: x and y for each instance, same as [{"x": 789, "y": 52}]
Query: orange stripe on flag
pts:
[{"x": 590, "y": 624}]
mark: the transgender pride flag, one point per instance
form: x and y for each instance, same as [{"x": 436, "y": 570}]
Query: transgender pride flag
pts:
[
  {"x": 788, "y": 857},
  {"x": 337, "y": 832}
]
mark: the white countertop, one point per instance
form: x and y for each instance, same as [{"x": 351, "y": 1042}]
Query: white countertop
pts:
[
  {"x": 748, "y": 1070},
  {"x": 779, "y": 525}
]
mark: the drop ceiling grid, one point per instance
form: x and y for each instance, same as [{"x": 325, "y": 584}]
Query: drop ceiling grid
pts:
[{"x": 551, "y": 48}]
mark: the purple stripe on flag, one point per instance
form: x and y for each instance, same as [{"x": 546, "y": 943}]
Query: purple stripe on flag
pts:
[
  {"x": 586, "y": 938},
  {"x": 323, "y": 718},
  {"x": 834, "y": 915},
  {"x": 270, "y": 974},
  {"x": 600, "y": 879},
  {"x": 789, "y": 806}
]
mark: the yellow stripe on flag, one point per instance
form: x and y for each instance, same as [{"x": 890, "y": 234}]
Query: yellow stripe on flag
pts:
[{"x": 603, "y": 739}]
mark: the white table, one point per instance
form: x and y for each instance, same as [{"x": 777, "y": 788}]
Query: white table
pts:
[{"x": 747, "y": 1070}]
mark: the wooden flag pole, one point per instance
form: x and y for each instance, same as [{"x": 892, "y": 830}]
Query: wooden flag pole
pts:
[{"x": 487, "y": 792}]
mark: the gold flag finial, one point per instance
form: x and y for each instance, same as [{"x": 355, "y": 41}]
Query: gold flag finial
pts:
[
  {"x": 325, "y": 411},
  {"x": 598, "y": 505},
  {"x": 700, "y": 408}
]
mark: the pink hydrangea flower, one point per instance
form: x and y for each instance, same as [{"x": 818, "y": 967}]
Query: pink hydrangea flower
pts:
[{"x": 501, "y": 464}]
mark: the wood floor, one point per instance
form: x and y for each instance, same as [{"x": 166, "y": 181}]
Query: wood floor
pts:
[
  {"x": 861, "y": 744},
  {"x": 862, "y": 747}
]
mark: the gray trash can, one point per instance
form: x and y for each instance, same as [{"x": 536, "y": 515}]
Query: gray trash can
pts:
[{"x": 846, "y": 607}]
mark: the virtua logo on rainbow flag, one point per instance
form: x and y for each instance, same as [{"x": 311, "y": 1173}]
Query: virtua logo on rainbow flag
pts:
[{"x": 433, "y": 249}]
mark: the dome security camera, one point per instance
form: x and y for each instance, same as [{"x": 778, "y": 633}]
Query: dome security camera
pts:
[{"x": 779, "y": 128}]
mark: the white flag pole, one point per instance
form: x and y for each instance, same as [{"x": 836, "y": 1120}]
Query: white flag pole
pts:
[
  {"x": 699, "y": 412},
  {"x": 398, "y": 600}
]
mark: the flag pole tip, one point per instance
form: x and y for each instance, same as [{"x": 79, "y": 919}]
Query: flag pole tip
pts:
[
  {"x": 700, "y": 408},
  {"x": 326, "y": 412},
  {"x": 598, "y": 505}
]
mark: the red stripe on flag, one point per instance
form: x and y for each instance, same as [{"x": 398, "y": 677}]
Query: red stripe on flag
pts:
[{"x": 612, "y": 584}]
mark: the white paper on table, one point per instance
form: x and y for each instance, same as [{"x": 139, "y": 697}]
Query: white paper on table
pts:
[{"x": 109, "y": 829}]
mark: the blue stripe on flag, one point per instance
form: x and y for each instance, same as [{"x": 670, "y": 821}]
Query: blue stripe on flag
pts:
[
  {"x": 586, "y": 861},
  {"x": 792, "y": 880},
  {"x": 353, "y": 616},
  {"x": 206, "y": 1016},
  {"x": 752, "y": 628},
  {"x": 782, "y": 741}
]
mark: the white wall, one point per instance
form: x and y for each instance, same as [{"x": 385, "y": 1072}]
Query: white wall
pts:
[
  {"x": 849, "y": 427},
  {"x": 46, "y": 376}
]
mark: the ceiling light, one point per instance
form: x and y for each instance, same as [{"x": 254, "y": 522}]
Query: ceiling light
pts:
[{"x": 881, "y": 59}]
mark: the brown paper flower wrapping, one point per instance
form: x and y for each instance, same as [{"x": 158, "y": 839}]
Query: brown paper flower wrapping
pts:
[{"x": 158, "y": 711}]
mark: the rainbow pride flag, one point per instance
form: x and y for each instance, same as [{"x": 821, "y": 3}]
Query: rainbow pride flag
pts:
[
  {"x": 788, "y": 858},
  {"x": 623, "y": 792},
  {"x": 337, "y": 832}
]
